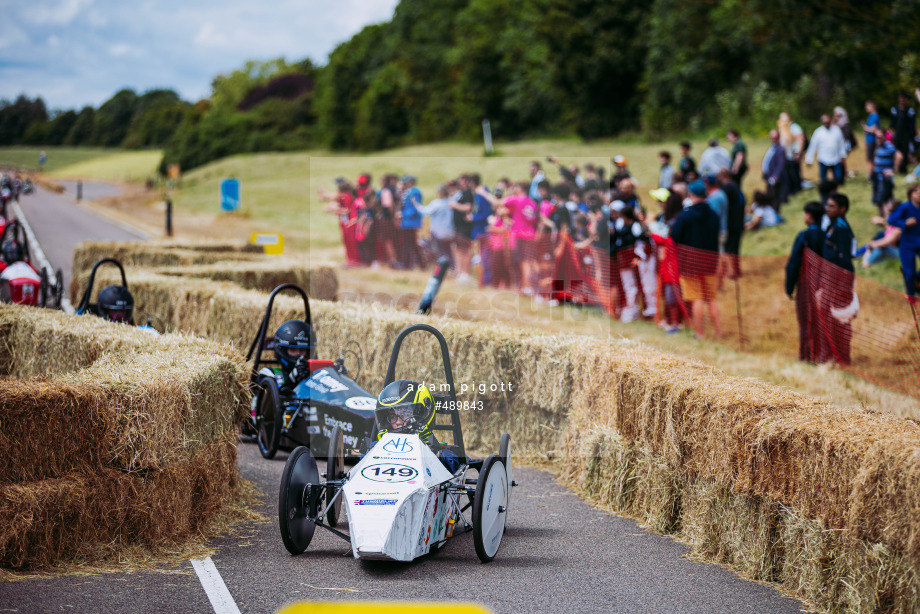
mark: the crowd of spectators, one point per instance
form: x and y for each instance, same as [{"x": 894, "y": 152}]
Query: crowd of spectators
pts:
[{"x": 670, "y": 253}]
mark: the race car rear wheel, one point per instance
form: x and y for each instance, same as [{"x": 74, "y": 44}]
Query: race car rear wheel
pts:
[
  {"x": 296, "y": 526},
  {"x": 269, "y": 416},
  {"x": 504, "y": 452},
  {"x": 335, "y": 470},
  {"x": 43, "y": 289},
  {"x": 490, "y": 508},
  {"x": 59, "y": 287}
]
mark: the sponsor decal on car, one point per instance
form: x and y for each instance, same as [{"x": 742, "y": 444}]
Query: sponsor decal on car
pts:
[
  {"x": 376, "y": 501},
  {"x": 345, "y": 426},
  {"x": 400, "y": 445},
  {"x": 329, "y": 382},
  {"x": 361, "y": 403}
]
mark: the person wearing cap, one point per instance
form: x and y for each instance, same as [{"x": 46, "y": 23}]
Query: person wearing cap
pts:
[
  {"x": 666, "y": 173},
  {"x": 714, "y": 158},
  {"x": 696, "y": 233},
  {"x": 621, "y": 166}
]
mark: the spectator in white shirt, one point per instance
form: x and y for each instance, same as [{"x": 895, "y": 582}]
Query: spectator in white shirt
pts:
[
  {"x": 830, "y": 145},
  {"x": 714, "y": 159}
]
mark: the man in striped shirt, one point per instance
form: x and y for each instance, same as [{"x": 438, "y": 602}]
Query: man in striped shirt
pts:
[{"x": 886, "y": 158}]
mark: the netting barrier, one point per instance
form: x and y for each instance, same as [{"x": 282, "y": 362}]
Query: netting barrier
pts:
[{"x": 861, "y": 325}]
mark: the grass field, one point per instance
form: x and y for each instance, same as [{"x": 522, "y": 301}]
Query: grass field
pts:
[{"x": 86, "y": 162}]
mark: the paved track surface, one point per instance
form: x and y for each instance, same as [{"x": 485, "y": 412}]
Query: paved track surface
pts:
[
  {"x": 558, "y": 555},
  {"x": 59, "y": 223}
]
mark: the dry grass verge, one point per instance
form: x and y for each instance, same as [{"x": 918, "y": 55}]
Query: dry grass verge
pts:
[{"x": 112, "y": 438}]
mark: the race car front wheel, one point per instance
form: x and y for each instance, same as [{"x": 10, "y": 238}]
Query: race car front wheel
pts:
[
  {"x": 293, "y": 514},
  {"x": 490, "y": 507},
  {"x": 269, "y": 416},
  {"x": 335, "y": 470},
  {"x": 504, "y": 452}
]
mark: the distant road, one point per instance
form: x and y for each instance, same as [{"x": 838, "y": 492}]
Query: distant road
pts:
[{"x": 60, "y": 223}]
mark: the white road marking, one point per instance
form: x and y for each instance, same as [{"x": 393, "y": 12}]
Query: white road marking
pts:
[
  {"x": 36, "y": 249},
  {"x": 220, "y": 598}
]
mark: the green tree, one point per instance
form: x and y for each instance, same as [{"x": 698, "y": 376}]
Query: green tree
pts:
[
  {"x": 60, "y": 127},
  {"x": 82, "y": 130},
  {"x": 114, "y": 118}
]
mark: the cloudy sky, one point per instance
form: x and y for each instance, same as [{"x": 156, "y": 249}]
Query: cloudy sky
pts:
[{"x": 79, "y": 52}]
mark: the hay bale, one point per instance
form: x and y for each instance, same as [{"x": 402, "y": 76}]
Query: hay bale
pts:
[
  {"x": 51, "y": 429},
  {"x": 97, "y": 515}
]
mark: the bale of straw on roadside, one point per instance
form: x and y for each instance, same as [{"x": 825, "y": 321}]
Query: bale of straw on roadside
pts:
[{"x": 96, "y": 515}]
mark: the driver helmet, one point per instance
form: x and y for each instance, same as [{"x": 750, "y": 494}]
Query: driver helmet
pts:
[
  {"x": 293, "y": 340},
  {"x": 404, "y": 406},
  {"x": 116, "y": 304},
  {"x": 13, "y": 252}
]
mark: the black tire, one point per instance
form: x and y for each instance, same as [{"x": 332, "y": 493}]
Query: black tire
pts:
[
  {"x": 335, "y": 470},
  {"x": 43, "y": 289},
  {"x": 490, "y": 508},
  {"x": 296, "y": 526},
  {"x": 269, "y": 416},
  {"x": 59, "y": 287},
  {"x": 504, "y": 453}
]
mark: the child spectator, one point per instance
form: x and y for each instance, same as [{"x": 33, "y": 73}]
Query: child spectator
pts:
[
  {"x": 884, "y": 244},
  {"x": 762, "y": 213}
]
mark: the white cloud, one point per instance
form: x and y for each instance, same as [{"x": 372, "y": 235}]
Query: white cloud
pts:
[
  {"x": 122, "y": 49},
  {"x": 13, "y": 37},
  {"x": 61, "y": 14},
  {"x": 209, "y": 36}
]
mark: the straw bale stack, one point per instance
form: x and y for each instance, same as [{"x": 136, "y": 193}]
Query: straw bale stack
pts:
[
  {"x": 782, "y": 488},
  {"x": 111, "y": 437}
]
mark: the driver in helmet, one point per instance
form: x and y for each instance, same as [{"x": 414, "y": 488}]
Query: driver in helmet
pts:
[
  {"x": 295, "y": 343},
  {"x": 405, "y": 406},
  {"x": 116, "y": 304},
  {"x": 12, "y": 251}
]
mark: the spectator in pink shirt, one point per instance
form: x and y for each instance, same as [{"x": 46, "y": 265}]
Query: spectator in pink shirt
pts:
[{"x": 524, "y": 219}]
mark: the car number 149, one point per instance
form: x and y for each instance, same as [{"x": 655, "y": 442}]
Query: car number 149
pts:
[{"x": 389, "y": 472}]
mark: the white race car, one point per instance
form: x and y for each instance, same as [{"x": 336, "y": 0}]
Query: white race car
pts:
[{"x": 400, "y": 499}]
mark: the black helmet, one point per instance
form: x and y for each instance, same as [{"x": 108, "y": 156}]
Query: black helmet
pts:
[
  {"x": 13, "y": 252},
  {"x": 116, "y": 304},
  {"x": 294, "y": 339},
  {"x": 404, "y": 407}
]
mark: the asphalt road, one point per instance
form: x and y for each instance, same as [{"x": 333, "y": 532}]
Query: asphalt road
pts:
[
  {"x": 559, "y": 554},
  {"x": 60, "y": 223}
]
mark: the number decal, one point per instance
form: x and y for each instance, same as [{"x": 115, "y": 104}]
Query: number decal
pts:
[{"x": 389, "y": 472}]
